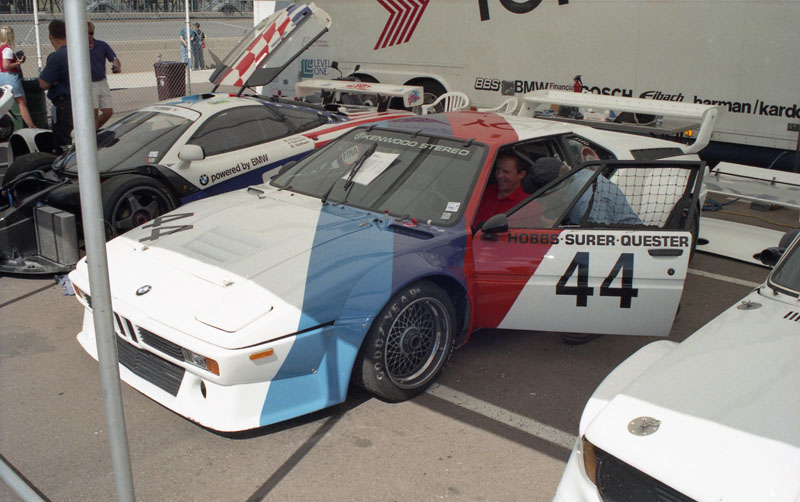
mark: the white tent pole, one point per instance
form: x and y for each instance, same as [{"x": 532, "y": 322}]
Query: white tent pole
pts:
[{"x": 80, "y": 83}]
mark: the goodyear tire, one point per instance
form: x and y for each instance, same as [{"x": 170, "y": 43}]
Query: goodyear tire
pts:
[
  {"x": 129, "y": 200},
  {"x": 408, "y": 344},
  {"x": 28, "y": 163}
]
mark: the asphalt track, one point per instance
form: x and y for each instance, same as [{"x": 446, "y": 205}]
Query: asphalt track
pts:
[
  {"x": 498, "y": 424},
  {"x": 138, "y": 43}
]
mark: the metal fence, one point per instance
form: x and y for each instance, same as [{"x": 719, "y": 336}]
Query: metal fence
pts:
[
  {"x": 142, "y": 33},
  {"x": 56, "y": 6}
]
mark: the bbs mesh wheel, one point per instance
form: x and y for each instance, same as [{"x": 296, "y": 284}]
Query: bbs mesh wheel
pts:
[{"x": 408, "y": 344}]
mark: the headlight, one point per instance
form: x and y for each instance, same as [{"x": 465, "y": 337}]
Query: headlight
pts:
[
  {"x": 589, "y": 459},
  {"x": 201, "y": 362}
]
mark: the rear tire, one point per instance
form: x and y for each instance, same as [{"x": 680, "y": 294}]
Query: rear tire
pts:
[
  {"x": 28, "y": 163},
  {"x": 129, "y": 200},
  {"x": 28, "y": 185},
  {"x": 409, "y": 343}
]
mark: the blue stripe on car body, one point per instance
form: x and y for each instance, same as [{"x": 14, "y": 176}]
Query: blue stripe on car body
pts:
[
  {"x": 351, "y": 277},
  {"x": 326, "y": 355}
]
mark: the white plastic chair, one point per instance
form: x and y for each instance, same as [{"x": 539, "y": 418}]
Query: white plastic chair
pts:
[
  {"x": 447, "y": 102},
  {"x": 506, "y": 107}
]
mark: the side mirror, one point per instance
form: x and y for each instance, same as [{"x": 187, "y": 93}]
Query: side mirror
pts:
[
  {"x": 191, "y": 152},
  {"x": 497, "y": 224}
]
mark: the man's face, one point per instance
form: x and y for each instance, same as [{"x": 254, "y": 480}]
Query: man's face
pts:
[{"x": 508, "y": 178}]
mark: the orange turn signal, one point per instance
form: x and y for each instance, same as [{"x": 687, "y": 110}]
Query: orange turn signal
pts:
[
  {"x": 212, "y": 366},
  {"x": 261, "y": 355}
]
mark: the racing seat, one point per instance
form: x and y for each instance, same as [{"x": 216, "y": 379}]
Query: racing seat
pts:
[
  {"x": 506, "y": 107},
  {"x": 448, "y": 102}
]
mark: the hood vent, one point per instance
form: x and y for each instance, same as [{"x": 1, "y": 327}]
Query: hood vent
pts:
[{"x": 792, "y": 316}]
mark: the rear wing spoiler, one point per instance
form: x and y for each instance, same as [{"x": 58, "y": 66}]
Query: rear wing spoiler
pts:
[
  {"x": 703, "y": 116},
  {"x": 411, "y": 94},
  {"x": 765, "y": 186},
  {"x": 756, "y": 184}
]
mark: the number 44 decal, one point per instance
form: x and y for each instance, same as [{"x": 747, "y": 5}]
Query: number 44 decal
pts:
[{"x": 583, "y": 291}]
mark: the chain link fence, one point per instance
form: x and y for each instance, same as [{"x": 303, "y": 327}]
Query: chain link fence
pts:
[{"x": 143, "y": 33}]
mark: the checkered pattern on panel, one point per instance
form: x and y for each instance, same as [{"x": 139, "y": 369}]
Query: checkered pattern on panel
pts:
[{"x": 262, "y": 46}]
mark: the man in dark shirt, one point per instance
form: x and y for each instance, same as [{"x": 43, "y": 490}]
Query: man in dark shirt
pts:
[
  {"x": 99, "y": 53},
  {"x": 55, "y": 78},
  {"x": 507, "y": 192}
]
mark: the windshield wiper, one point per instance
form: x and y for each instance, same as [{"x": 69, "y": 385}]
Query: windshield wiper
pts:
[
  {"x": 353, "y": 170},
  {"x": 358, "y": 164}
]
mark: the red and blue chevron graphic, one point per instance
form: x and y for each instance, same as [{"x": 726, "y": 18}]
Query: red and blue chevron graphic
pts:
[{"x": 405, "y": 15}]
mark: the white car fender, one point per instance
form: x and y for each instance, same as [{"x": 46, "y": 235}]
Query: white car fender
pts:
[
  {"x": 25, "y": 141},
  {"x": 621, "y": 377}
]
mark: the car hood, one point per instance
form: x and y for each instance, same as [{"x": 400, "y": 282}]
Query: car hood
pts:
[
  {"x": 728, "y": 404},
  {"x": 238, "y": 270}
]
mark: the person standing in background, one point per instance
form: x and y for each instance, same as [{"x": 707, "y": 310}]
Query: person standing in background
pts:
[
  {"x": 10, "y": 73},
  {"x": 187, "y": 43},
  {"x": 198, "y": 58},
  {"x": 55, "y": 79},
  {"x": 99, "y": 53}
]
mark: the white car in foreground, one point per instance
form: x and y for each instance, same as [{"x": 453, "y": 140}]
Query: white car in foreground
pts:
[{"x": 714, "y": 418}]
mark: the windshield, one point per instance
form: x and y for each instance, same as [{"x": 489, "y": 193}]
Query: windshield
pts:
[
  {"x": 787, "y": 275},
  {"x": 415, "y": 176},
  {"x": 140, "y": 138}
]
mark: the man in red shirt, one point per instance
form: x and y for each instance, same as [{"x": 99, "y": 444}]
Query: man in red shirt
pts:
[{"x": 506, "y": 193}]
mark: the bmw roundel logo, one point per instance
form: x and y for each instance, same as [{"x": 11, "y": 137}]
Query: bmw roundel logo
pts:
[
  {"x": 204, "y": 180},
  {"x": 144, "y": 290}
]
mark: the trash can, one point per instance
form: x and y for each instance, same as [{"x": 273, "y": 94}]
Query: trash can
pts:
[
  {"x": 37, "y": 102},
  {"x": 170, "y": 79}
]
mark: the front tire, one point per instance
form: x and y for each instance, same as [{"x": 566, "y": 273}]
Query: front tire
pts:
[
  {"x": 130, "y": 200},
  {"x": 408, "y": 344}
]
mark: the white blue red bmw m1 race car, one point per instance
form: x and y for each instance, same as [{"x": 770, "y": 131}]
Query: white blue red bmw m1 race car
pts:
[
  {"x": 364, "y": 262},
  {"x": 712, "y": 418},
  {"x": 177, "y": 150}
]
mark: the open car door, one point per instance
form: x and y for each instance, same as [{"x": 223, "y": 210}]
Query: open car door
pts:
[
  {"x": 604, "y": 249},
  {"x": 271, "y": 46}
]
